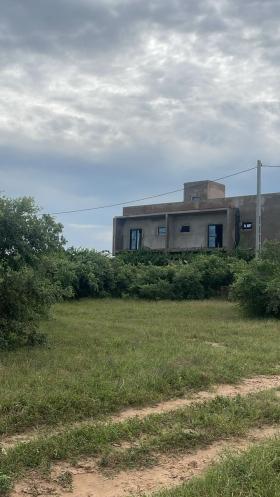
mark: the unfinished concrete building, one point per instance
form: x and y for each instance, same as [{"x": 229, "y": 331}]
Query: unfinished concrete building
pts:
[{"x": 206, "y": 219}]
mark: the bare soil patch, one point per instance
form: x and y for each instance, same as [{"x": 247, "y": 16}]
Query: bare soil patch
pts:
[
  {"x": 87, "y": 481},
  {"x": 250, "y": 385}
]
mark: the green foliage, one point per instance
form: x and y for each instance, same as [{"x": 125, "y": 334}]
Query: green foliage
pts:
[
  {"x": 25, "y": 297},
  {"x": 93, "y": 274},
  {"x": 5, "y": 484},
  {"x": 216, "y": 273},
  {"x": 202, "y": 277},
  {"x": 160, "y": 258},
  {"x": 257, "y": 285},
  {"x": 24, "y": 235},
  {"x": 187, "y": 282},
  {"x": 26, "y": 292},
  {"x": 245, "y": 254},
  {"x": 87, "y": 273}
]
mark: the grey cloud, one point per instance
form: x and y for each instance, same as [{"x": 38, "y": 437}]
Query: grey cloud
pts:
[
  {"x": 87, "y": 27},
  {"x": 127, "y": 97}
]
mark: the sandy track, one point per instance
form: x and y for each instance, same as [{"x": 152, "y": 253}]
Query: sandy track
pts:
[
  {"x": 247, "y": 386},
  {"x": 251, "y": 385},
  {"x": 169, "y": 472}
]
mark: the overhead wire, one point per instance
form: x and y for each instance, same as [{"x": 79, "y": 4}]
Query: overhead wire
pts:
[{"x": 106, "y": 206}]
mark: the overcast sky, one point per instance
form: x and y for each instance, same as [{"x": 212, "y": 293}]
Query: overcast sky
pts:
[{"x": 104, "y": 101}]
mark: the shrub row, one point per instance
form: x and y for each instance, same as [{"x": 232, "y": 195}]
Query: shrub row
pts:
[
  {"x": 86, "y": 273},
  {"x": 255, "y": 284}
]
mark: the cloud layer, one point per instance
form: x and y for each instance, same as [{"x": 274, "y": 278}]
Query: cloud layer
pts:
[{"x": 104, "y": 100}]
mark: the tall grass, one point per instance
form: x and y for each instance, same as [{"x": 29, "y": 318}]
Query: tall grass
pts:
[{"x": 104, "y": 355}]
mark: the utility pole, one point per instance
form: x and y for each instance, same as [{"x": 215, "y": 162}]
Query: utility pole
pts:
[{"x": 259, "y": 209}]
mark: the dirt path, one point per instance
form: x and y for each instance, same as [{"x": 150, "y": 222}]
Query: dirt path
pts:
[
  {"x": 251, "y": 385},
  {"x": 171, "y": 471}
]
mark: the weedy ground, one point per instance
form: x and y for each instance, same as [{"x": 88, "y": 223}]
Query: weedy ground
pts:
[{"x": 107, "y": 355}]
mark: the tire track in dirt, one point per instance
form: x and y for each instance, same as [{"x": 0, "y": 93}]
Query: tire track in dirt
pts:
[
  {"x": 247, "y": 386},
  {"x": 169, "y": 472}
]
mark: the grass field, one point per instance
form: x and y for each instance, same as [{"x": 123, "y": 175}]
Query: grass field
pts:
[{"x": 104, "y": 355}]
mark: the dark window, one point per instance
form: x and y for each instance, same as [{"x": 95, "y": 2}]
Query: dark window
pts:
[
  {"x": 185, "y": 229},
  {"x": 247, "y": 226},
  {"x": 215, "y": 235},
  {"x": 162, "y": 230},
  {"x": 195, "y": 198},
  {"x": 135, "y": 239}
]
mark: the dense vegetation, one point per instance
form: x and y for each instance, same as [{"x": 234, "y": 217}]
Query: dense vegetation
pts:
[
  {"x": 86, "y": 273},
  {"x": 257, "y": 286},
  {"x": 36, "y": 271},
  {"x": 26, "y": 292}
]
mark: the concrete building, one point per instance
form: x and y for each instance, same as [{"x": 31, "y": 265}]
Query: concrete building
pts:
[{"x": 205, "y": 219}]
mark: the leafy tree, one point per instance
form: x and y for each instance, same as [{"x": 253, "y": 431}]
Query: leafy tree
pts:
[
  {"x": 25, "y": 235},
  {"x": 26, "y": 291}
]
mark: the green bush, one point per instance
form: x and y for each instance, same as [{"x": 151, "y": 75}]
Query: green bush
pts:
[
  {"x": 188, "y": 283},
  {"x": 169, "y": 282},
  {"x": 93, "y": 274},
  {"x": 216, "y": 273},
  {"x": 26, "y": 292},
  {"x": 25, "y": 297},
  {"x": 257, "y": 285},
  {"x": 25, "y": 235},
  {"x": 5, "y": 484}
]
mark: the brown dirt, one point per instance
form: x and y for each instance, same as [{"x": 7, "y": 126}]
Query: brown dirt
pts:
[
  {"x": 171, "y": 471},
  {"x": 251, "y": 385}
]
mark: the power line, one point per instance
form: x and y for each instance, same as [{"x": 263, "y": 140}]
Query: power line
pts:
[
  {"x": 118, "y": 204},
  {"x": 235, "y": 174},
  {"x": 143, "y": 198}
]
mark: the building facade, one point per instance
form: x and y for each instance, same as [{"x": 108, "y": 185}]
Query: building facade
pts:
[{"x": 206, "y": 219}]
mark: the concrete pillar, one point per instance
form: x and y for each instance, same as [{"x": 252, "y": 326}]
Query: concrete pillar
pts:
[{"x": 167, "y": 220}]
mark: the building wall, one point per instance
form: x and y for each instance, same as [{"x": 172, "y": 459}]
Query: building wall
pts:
[
  {"x": 243, "y": 207},
  {"x": 270, "y": 217},
  {"x": 149, "y": 225},
  {"x": 175, "y": 240},
  {"x": 198, "y": 235}
]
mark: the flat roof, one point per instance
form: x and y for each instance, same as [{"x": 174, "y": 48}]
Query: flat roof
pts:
[{"x": 175, "y": 213}]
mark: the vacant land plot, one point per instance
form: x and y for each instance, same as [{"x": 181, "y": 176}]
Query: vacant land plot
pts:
[{"x": 106, "y": 356}]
